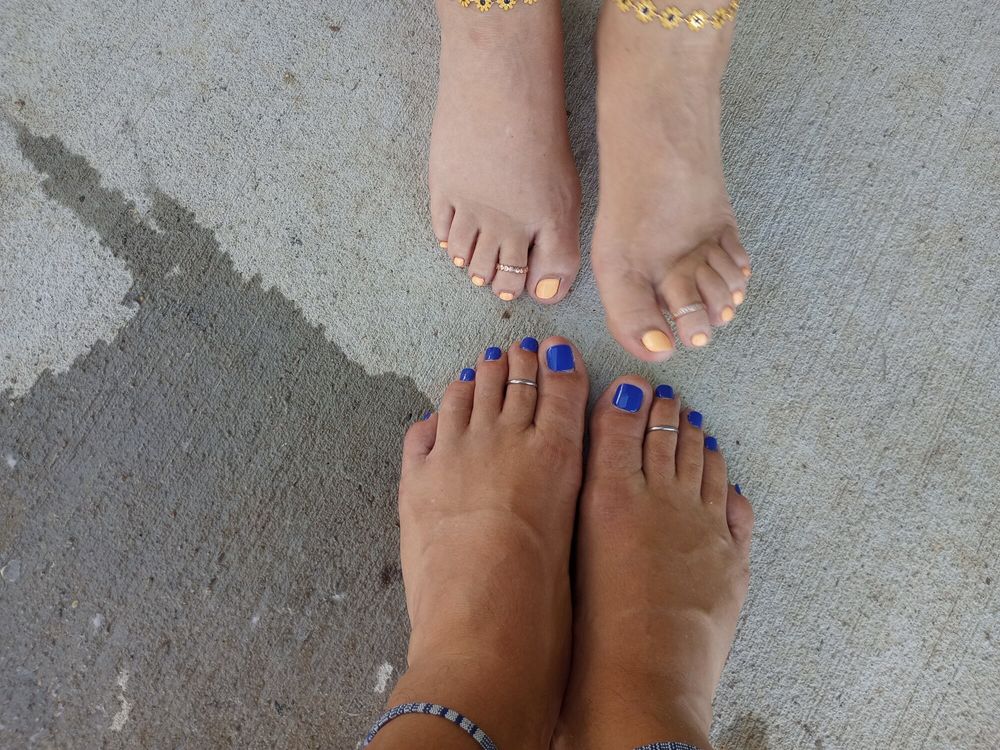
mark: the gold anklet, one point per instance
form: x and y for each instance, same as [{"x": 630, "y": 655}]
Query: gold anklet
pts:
[
  {"x": 671, "y": 18},
  {"x": 485, "y": 5}
]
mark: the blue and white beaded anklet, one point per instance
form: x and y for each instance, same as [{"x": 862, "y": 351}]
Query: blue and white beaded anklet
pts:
[
  {"x": 433, "y": 709},
  {"x": 667, "y": 746}
]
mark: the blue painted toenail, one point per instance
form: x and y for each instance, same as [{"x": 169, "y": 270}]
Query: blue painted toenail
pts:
[
  {"x": 664, "y": 391},
  {"x": 738, "y": 490},
  {"x": 711, "y": 443},
  {"x": 694, "y": 418},
  {"x": 468, "y": 374},
  {"x": 493, "y": 353},
  {"x": 628, "y": 398},
  {"x": 560, "y": 358},
  {"x": 426, "y": 416},
  {"x": 529, "y": 344}
]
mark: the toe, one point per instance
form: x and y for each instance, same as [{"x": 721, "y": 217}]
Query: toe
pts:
[
  {"x": 419, "y": 439},
  {"x": 682, "y": 296},
  {"x": 730, "y": 241},
  {"x": 660, "y": 446},
  {"x": 514, "y": 253},
  {"x": 634, "y": 315},
  {"x": 456, "y": 405},
  {"x": 690, "y": 448},
  {"x": 462, "y": 238},
  {"x": 552, "y": 265},
  {"x": 715, "y": 292},
  {"x": 522, "y": 363},
  {"x": 726, "y": 267},
  {"x": 484, "y": 259},
  {"x": 618, "y": 425},
  {"x": 739, "y": 515},
  {"x": 714, "y": 483},
  {"x": 491, "y": 381},
  {"x": 562, "y": 389},
  {"x": 442, "y": 213}
]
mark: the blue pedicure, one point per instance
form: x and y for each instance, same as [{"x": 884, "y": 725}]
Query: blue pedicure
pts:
[
  {"x": 560, "y": 358},
  {"x": 694, "y": 417},
  {"x": 711, "y": 443},
  {"x": 628, "y": 398},
  {"x": 493, "y": 353},
  {"x": 529, "y": 344},
  {"x": 468, "y": 374},
  {"x": 738, "y": 490},
  {"x": 426, "y": 416},
  {"x": 664, "y": 391}
]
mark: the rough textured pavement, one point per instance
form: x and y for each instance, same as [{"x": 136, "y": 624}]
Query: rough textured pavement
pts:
[{"x": 221, "y": 304}]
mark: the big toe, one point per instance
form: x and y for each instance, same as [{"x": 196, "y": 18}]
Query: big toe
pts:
[
  {"x": 554, "y": 262},
  {"x": 562, "y": 390},
  {"x": 633, "y": 313}
]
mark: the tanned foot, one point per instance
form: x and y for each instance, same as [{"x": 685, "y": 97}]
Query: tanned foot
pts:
[
  {"x": 662, "y": 566},
  {"x": 504, "y": 188},
  {"x": 665, "y": 238},
  {"x": 487, "y": 501}
]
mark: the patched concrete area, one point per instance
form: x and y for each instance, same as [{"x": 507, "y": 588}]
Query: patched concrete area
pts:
[{"x": 202, "y": 402}]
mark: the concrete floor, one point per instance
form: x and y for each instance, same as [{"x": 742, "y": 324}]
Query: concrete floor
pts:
[{"x": 221, "y": 303}]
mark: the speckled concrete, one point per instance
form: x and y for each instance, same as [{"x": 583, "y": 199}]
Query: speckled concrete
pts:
[{"x": 221, "y": 303}]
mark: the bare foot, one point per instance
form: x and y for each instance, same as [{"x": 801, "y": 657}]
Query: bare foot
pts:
[
  {"x": 504, "y": 188},
  {"x": 486, "y": 505},
  {"x": 662, "y": 566},
  {"x": 665, "y": 237}
]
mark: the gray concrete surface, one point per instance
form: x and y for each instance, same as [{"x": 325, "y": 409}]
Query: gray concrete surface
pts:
[{"x": 221, "y": 303}]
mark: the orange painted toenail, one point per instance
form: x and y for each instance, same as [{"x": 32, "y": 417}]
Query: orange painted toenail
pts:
[
  {"x": 458, "y": 261},
  {"x": 727, "y": 313},
  {"x": 478, "y": 280},
  {"x": 699, "y": 339},
  {"x": 738, "y": 298},
  {"x": 443, "y": 245},
  {"x": 546, "y": 288},
  {"x": 656, "y": 341},
  {"x": 746, "y": 273},
  {"x": 506, "y": 296}
]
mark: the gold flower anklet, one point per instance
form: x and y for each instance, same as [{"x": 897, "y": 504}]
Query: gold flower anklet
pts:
[
  {"x": 671, "y": 18},
  {"x": 485, "y": 5}
]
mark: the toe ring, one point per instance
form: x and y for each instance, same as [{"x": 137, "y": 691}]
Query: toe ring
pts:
[
  {"x": 520, "y": 270},
  {"x": 688, "y": 309},
  {"x": 662, "y": 428},
  {"x": 522, "y": 381}
]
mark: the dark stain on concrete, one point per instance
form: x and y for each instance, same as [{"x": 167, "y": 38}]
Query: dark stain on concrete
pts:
[
  {"x": 748, "y": 732},
  {"x": 206, "y": 503}
]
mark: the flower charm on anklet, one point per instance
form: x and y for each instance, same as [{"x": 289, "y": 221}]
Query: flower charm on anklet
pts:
[
  {"x": 485, "y": 5},
  {"x": 672, "y": 17}
]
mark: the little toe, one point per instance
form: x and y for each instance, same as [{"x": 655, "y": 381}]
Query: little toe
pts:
[
  {"x": 562, "y": 389},
  {"x": 456, "y": 405},
  {"x": 690, "y": 448},
  {"x": 688, "y": 309},
  {"x": 442, "y": 214},
  {"x": 730, "y": 241},
  {"x": 553, "y": 264},
  {"x": 462, "y": 238},
  {"x": 714, "y": 482},
  {"x": 508, "y": 282},
  {"x": 618, "y": 425},
  {"x": 419, "y": 439},
  {"x": 716, "y": 295},
  {"x": 726, "y": 267},
  {"x": 660, "y": 445},
  {"x": 739, "y": 516},
  {"x": 522, "y": 364},
  {"x": 491, "y": 382},
  {"x": 634, "y": 315}
]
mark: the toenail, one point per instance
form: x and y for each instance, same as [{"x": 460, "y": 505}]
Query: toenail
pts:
[
  {"x": 664, "y": 391},
  {"x": 559, "y": 358},
  {"x": 628, "y": 398},
  {"x": 699, "y": 339},
  {"x": 738, "y": 490},
  {"x": 458, "y": 262},
  {"x": 694, "y": 417},
  {"x": 468, "y": 375},
  {"x": 492, "y": 353},
  {"x": 529, "y": 344},
  {"x": 738, "y": 297},
  {"x": 656, "y": 341},
  {"x": 727, "y": 313},
  {"x": 746, "y": 273},
  {"x": 506, "y": 296},
  {"x": 711, "y": 443},
  {"x": 426, "y": 416},
  {"x": 443, "y": 244},
  {"x": 478, "y": 280},
  {"x": 546, "y": 288}
]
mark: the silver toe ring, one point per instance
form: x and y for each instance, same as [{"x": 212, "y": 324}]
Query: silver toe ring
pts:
[
  {"x": 662, "y": 428},
  {"x": 522, "y": 381},
  {"x": 688, "y": 309}
]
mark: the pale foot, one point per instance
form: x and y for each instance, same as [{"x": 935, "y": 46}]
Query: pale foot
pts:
[
  {"x": 662, "y": 566},
  {"x": 665, "y": 238},
  {"x": 486, "y": 503},
  {"x": 503, "y": 185}
]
